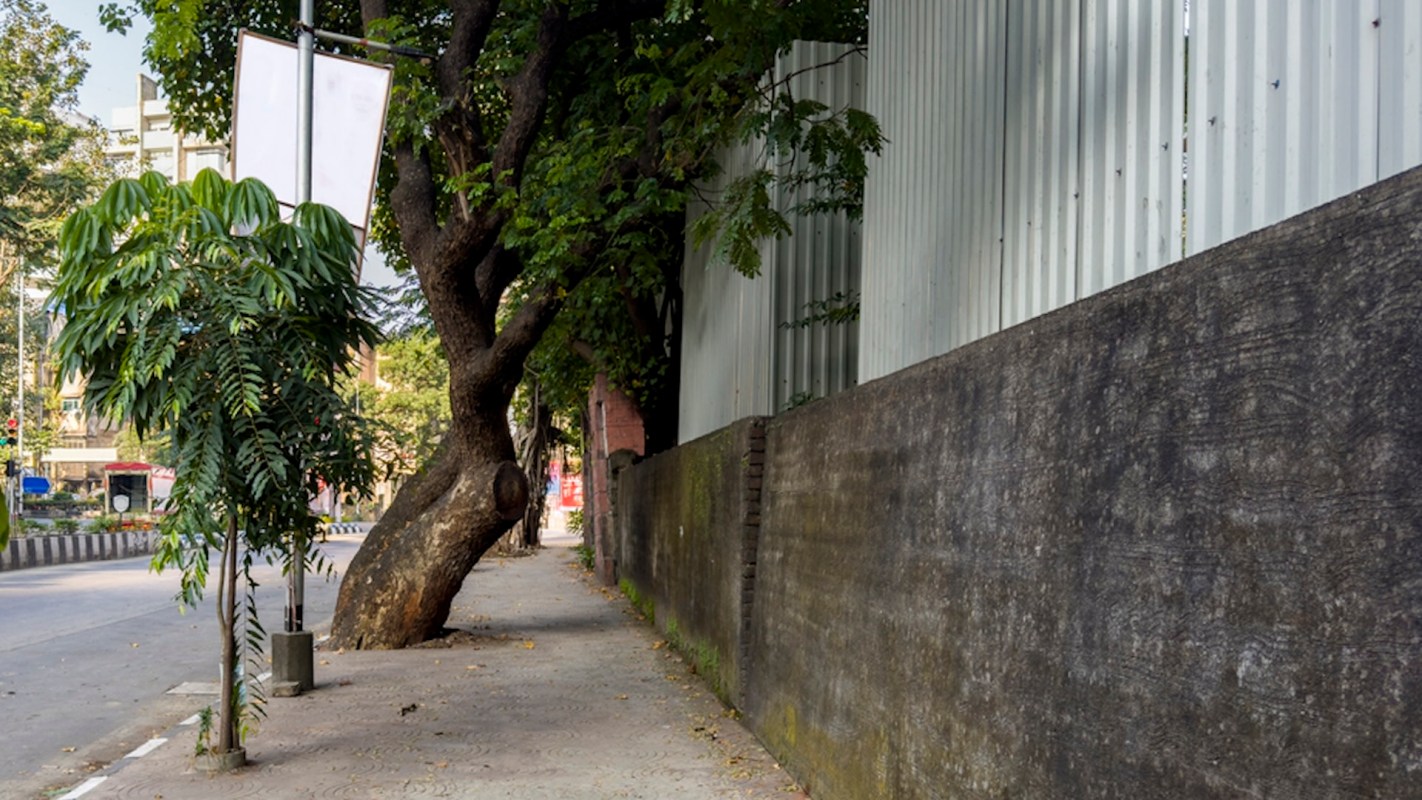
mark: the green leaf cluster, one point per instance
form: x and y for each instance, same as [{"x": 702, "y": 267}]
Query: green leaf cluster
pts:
[
  {"x": 410, "y": 403},
  {"x": 50, "y": 157},
  {"x": 196, "y": 313}
]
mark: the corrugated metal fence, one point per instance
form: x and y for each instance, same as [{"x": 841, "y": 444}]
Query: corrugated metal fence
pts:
[
  {"x": 737, "y": 359},
  {"x": 1037, "y": 147}
]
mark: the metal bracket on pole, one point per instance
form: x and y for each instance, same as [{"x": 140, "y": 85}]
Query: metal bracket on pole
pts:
[{"x": 369, "y": 44}]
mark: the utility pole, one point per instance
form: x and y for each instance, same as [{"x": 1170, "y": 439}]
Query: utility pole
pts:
[
  {"x": 293, "y": 670},
  {"x": 20, "y": 391},
  {"x": 12, "y": 495}
]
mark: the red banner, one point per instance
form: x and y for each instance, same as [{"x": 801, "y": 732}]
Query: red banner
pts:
[{"x": 572, "y": 491}]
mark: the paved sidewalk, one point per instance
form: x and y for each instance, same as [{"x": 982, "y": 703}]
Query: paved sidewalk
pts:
[{"x": 557, "y": 691}]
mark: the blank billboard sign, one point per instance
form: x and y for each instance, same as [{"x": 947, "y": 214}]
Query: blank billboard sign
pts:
[{"x": 348, "y": 122}]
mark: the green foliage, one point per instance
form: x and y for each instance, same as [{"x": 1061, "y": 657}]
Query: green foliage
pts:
[
  {"x": 644, "y": 604},
  {"x": 156, "y": 449},
  {"x": 203, "y": 746},
  {"x": 411, "y": 404},
  {"x": 50, "y": 157},
  {"x": 231, "y": 343},
  {"x": 586, "y": 557},
  {"x": 66, "y": 525},
  {"x": 840, "y": 308},
  {"x": 798, "y": 399},
  {"x": 636, "y": 110}
]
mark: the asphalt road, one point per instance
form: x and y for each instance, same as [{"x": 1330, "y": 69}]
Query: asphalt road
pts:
[{"x": 89, "y": 651}]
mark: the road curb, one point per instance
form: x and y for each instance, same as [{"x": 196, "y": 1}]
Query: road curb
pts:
[{"x": 75, "y": 548}]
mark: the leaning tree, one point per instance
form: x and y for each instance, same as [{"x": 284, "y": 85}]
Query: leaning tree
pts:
[{"x": 547, "y": 144}]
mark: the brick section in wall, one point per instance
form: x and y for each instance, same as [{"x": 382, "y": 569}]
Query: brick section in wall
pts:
[
  {"x": 616, "y": 425},
  {"x": 752, "y": 478}
]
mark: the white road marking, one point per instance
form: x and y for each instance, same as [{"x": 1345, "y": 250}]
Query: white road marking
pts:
[
  {"x": 84, "y": 788},
  {"x": 146, "y": 748},
  {"x": 193, "y": 720}
]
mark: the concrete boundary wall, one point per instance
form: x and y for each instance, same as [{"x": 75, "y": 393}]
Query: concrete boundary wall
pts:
[
  {"x": 73, "y": 548},
  {"x": 688, "y": 560},
  {"x": 1163, "y": 542}
]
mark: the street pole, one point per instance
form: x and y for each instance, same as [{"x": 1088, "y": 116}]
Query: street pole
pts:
[
  {"x": 293, "y": 670},
  {"x": 305, "y": 63},
  {"x": 19, "y": 506},
  {"x": 11, "y": 495}
]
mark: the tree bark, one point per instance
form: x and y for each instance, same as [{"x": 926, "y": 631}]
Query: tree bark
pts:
[
  {"x": 227, "y": 619},
  {"x": 401, "y": 583},
  {"x": 399, "y": 588}
]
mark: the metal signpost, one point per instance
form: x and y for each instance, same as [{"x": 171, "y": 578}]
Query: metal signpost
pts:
[
  {"x": 355, "y": 95},
  {"x": 293, "y": 656}
]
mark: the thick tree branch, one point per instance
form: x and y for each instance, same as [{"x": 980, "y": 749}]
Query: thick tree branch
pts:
[
  {"x": 461, "y": 127},
  {"x": 521, "y": 334},
  {"x": 528, "y": 95},
  {"x": 496, "y": 272},
  {"x": 414, "y": 202}
]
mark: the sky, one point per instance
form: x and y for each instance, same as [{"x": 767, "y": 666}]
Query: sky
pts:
[
  {"x": 114, "y": 63},
  {"x": 114, "y": 59}
]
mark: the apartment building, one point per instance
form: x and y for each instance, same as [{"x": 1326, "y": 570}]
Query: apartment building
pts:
[{"x": 143, "y": 137}]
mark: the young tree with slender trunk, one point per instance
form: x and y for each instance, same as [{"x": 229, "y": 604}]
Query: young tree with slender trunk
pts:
[{"x": 233, "y": 346}]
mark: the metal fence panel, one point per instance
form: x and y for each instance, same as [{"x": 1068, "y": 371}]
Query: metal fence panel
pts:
[
  {"x": 1042, "y": 125},
  {"x": 933, "y": 218},
  {"x": 1400, "y": 87},
  {"x": 821, "y": 258},
  {"x": 737, "y": 358},
  {"x": 726, "y": 327},
  {"x": 1132, "y": 100},
  {"x": 1038, "y": 149},
  {"x": 1283, "y": 110}
]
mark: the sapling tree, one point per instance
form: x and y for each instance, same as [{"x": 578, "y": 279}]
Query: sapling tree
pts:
[{"x": 196, "y": 312}]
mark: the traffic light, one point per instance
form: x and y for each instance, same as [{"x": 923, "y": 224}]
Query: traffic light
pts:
[{"x": 11, "y": 437}]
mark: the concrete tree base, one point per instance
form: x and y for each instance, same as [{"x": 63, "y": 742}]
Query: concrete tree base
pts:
[
  {"x": 292, "y": 657},
  {"x": 230, "y": 760}
]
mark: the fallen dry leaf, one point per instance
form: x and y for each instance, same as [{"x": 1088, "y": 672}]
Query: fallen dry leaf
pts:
[
  {"x": 659, "y": 644},
  {"x": 622, "y": 697},
  {"x": 67, "y": 749},
  {"x": 528, "y": 645},
  {"x": 133, "y": 644}
]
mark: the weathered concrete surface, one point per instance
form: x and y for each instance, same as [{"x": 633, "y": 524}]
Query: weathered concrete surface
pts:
[
  {"x": 686, "y": 539},
  {"x": 555, "y": 691},
  {"x": 1166, "y": 542}
]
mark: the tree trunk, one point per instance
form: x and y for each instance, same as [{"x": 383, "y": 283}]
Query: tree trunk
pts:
[
  {"x": 400, "y": 585},
  {"x": 227, "y": 619},
  {"x": 533, "y": 454}
]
